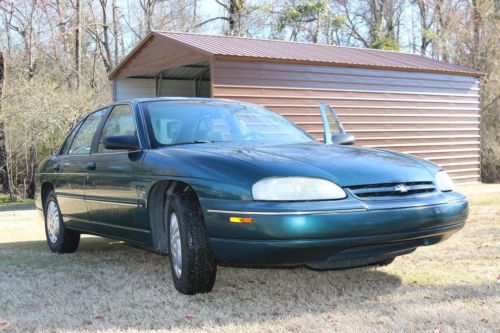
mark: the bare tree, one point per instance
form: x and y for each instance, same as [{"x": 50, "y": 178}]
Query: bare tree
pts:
[
  {"x": 100, "y": 33},
  {"x": 116, "y": 31},
  {"x": 310, "y": 20},
  {"x": 148, "y": 9},
  {"x": 78, "y": 36},
  {"x": 21, "y": 20},
  {"x": 51, "y": 47},
  {"x": 236, "y": 11},
  {"x": 374, "y": 23},
  {"x": 105, "y": 31},
  {"x": 425, "y": 8},
  {"x": 442, "y": 51},
  {"x": 4, "y": 174}
]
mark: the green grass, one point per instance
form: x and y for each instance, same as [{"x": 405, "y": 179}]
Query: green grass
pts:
[
  {"x": 107, "y": 286},
  {"x": 6, "y": 200}
]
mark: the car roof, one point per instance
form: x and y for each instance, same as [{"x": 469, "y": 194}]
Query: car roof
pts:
[
  {"x": 152, "y": 99},
  {"x": 191, "y": 99}
]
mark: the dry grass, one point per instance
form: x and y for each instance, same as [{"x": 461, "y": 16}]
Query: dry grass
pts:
[{"x": 111, "y": 287}]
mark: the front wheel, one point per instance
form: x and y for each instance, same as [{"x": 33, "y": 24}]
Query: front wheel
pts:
[
  {"x": 191, "y": 260},
  {"x": 59, "y": 239}
]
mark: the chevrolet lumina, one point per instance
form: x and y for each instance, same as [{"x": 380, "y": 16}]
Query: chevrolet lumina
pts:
[{"x": 212, "y": 182}]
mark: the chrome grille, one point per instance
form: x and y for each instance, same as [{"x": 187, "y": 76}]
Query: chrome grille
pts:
[{"x": 391, "y": 189}]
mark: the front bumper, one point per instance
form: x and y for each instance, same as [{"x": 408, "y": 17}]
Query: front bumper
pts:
[{"x": 333, "y": 234}]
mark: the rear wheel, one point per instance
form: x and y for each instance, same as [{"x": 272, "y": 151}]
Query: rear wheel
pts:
[
  {"x": 59, "y": 238},
  {"x": 191, "y": 261}
]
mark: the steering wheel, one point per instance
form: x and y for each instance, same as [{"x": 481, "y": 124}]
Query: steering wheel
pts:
[{"x": 199, "y": 128}]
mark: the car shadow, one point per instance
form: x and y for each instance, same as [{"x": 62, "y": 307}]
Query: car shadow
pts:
[{"x": 109, "y": 285}]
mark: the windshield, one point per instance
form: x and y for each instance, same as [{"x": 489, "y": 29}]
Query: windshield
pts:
[{"x": 181, "y": 122}]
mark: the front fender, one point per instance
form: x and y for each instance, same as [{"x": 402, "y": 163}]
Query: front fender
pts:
[{"x": 211, "y": 176}]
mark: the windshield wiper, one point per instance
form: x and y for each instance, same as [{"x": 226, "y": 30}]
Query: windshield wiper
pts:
[{"x": 190, "y": 142}]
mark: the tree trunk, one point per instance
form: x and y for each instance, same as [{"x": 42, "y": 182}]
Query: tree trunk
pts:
[
  {"x": 232, "y": 14},
  {"x": 476, "y": 61},
  {"x": 116, "y": 37},
  {"x": 148, "y": 8},
  {"x": 4, "y": 174},
  {"x": 78, "y": 37},
  {"x": 423, "y": 21},
  {"x": 109, "y": 64},
  {"x": 195, "y": 14},
  {"x": 443, "y": 49}
]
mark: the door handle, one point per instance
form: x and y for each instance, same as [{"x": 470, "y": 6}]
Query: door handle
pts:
[
  {"x": 56, "y": 167},
  {"x": 91, "y": 165}
]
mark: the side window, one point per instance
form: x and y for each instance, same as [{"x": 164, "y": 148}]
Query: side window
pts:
[
  {"x": 120, "y": 122},
  {"x": 82, "y": 141},
  {"x": 65, "y": 146}
]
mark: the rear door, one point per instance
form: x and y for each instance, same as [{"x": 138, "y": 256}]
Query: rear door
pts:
[
  {"x": 114, "y": 192},
  {"x": 70, "y": 169}
]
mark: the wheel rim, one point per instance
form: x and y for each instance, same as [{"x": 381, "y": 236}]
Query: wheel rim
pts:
[
  {"x": 175, "y": 245},
  {"x": 53, "y": 222}
]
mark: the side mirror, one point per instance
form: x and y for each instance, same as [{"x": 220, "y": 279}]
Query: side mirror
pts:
[
  {"x": 123, "y": 142},
  {"x": 343, "y": 139}
]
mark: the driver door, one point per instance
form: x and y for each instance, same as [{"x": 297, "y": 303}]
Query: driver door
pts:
[{"x": 113, "y": 190}]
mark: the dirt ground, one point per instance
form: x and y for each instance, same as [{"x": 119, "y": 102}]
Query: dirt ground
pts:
[{"x": 108, "y": 286}]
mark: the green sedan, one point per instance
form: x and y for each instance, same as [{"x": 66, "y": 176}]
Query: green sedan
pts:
[{"x": 213, "y": 182}]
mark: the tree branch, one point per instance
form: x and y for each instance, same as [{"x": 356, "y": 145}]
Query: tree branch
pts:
[{"x": 210, "y": 20}]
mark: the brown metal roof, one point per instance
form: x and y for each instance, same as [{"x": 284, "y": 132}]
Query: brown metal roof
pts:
[{"x": 285, "y": 51}]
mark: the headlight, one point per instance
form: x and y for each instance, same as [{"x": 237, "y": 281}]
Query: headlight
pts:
[
  {"x": 443, "y": 181},
  {"x": 296, "y": 189}
]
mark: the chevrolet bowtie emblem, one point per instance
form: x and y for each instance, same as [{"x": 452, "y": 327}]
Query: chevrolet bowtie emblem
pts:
[{"x": 400, "y": 188}]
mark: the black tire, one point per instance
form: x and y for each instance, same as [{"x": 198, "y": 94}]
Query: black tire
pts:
[
  {"x": 197, "y": 263},
  {"x": 66, "y": 241}
]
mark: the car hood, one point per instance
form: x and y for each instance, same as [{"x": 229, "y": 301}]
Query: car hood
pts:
[{"x": 346, "y": 166}]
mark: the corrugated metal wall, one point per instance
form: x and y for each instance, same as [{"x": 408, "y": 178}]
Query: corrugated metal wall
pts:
[
  {"x": 133, "y": 88},
  {"x": 183, "y": 88},
  {"x": 139, "y": 88},
  {"x": 433, "y": 116}
]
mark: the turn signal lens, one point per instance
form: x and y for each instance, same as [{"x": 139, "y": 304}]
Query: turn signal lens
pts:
[
  {"x": 444, "y": 182},
  {"x": 236, "y": 219}
]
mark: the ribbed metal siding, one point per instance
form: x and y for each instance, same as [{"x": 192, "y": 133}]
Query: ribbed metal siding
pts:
[
  {"x": 434, "y": 116},
  {"x": 133, "y": 88},
  {"x": 139, "y": 88}
]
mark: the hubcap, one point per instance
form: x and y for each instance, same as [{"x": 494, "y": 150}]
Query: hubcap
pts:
[
  {"x": 53, "y": 222},
  {"x": 175, "y": 245}
]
